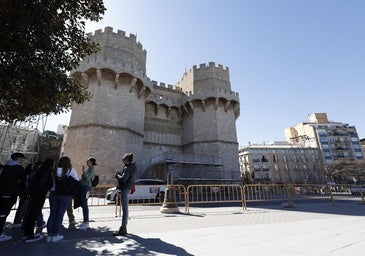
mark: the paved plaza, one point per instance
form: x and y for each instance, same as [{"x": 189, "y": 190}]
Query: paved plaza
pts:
[{"x": 311, "y": 228}]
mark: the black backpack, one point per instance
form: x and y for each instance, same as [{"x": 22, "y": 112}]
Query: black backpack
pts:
[
  {"x": 95, "y": 181},
  {"x": 40, "y": 183}
]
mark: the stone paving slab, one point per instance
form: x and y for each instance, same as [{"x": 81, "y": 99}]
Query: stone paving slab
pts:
[{"x": 311, "y": 228}]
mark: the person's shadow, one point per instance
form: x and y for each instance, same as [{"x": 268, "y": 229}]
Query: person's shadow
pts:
[
  {"x": 99, "y": 241},
  {"x": 152, "y": 246}
]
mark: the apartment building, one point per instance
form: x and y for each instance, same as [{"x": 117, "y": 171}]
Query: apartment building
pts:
[
  {"x": 281, "y": 162},
  {"x": 335, "y": 140}
]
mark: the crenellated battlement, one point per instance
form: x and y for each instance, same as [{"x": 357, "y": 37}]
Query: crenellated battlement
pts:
[
  {"x": 211, "y": 65},
  {"x": 163, "y": 86},
  {"x": 120, "y": 35},
  {"x": 205, "y": 77},
  {"x": 118, "y": 51}
]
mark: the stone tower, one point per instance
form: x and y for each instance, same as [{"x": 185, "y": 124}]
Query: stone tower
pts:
[
  {"x": 112, "y": 123},
  {"x": 211, "y": 109},
  {"x": 187, "y": 130}
]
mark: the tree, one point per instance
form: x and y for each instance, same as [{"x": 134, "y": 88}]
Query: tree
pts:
[
  {"x": 40, "y": 42},
  {"x": 342, "y": 171}
]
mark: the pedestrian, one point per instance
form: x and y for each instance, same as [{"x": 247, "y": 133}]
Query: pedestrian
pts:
[
  {"x": 37, "y": 190},
  {"x": 126, "y": 178},
  {"x": 40, "y": 221},
  {"x": 23, "y": 200},
  {"x": 59, "y": 199},
  {"x": 86, "y": 178},
  {"x": 12, "y": 182},
  {"x": 23, "y": 205},
  {"x": 70, "y": 214}
]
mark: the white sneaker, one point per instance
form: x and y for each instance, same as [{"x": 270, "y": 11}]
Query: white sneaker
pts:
[
  {"x": 84, "y": 225},
  {"x": 4, "y": 238},
  {"x": 49, "y": 239},
  {"x": 57, "y": 238}
]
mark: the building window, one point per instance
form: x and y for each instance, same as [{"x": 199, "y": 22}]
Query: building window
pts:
[
  {"x": 275, "y": 158},
  {"x": 323, "y": 140},
  {"x": 294, "y": 159},
  {"x": 285, "y": 160},
  {"x": 276, "y": 166},
  {"x": 255, "y": 158},
  {"x": 286, "y": 167},
  {"x": 256, "y": 167}
]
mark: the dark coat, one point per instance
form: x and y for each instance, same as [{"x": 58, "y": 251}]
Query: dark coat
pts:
[
  {"x": 40, "y": 184},
  {"x": 12, "y": 179},
  {"x": 126, "y": 176}
]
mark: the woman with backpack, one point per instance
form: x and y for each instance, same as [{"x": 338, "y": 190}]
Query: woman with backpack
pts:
[
  {"x": 86, "y": 186},
  {"x": 64, "y": 187}
]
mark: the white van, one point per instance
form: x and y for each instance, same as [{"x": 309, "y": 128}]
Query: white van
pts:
[{"x": 146, "y": 190}]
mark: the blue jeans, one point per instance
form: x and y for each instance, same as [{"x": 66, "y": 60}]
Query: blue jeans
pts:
[
  {"x": 58, "y": 205},
  {"x": 124, "y": 202},
  {"x": 85, "y": 208}
]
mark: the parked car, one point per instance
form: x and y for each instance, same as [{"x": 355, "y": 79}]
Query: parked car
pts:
[
  {"x": 146, "y": 190},
  {"x": 355, "y": 190}
]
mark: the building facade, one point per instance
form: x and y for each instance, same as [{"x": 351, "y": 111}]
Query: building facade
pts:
[
  {"x": 335, "y": 140},
  {"x": 281, "y": 162},
  {"x": 187, "y": 130}
]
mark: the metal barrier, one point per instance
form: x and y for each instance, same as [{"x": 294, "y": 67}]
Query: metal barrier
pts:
[
  {"x": 323, "y": 191},
  {"x": 309, "y": 191},
  {"x": 346, "y": 191},
  {"x": 97, "y": 196},
  {"x": 227, "y": 193},
  {"x": 181, "y": 194},
  {"x": 266, "y": 192},
  {"x": 213, "y": 193}
]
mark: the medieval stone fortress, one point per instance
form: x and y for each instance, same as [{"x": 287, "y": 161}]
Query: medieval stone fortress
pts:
[{"x": 187, "y": 130}]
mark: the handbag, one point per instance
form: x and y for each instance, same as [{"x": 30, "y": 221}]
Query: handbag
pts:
[
  {"x": 95, "y": 181},
  {"x": 67, "y": 185}
]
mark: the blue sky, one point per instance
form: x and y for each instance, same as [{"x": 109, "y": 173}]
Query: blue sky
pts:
[{"x": 287, "y": 58}]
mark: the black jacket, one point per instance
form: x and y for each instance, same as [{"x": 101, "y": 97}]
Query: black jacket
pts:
[
  {"x": 12, "y": 179},
  {"x": 40, "y": 184},
  {"x": 126, "y": 176}
]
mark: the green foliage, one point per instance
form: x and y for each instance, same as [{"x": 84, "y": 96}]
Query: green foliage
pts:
[{"x": 41, "y": 41}]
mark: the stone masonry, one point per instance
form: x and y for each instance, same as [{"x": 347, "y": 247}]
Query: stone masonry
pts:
[{"x": 129, "y": 112}]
